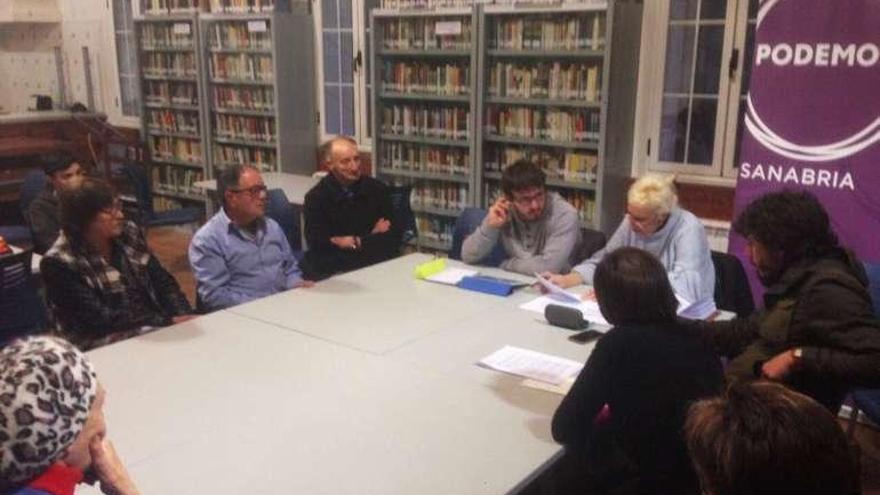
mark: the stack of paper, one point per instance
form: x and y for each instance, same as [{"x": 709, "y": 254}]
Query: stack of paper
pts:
[{"x": 534, "y": 365}]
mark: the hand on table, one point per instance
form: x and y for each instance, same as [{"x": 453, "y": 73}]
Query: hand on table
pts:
[
  {"x": 182, "y": 318},
  {"x": 304, "y": 284}
]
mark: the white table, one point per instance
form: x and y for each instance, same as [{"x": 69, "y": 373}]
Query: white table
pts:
[
  {"x": 294, "y": 186},
  {"x": 226, "y": 405}
]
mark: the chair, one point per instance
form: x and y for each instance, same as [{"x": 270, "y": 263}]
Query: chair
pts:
[
  {"x": 33, "y": 185},
  {"x": 465, "y": 224},
  {"x": 867, "y": 400},
  {"x": 21, "y": 309},
  {"x": 403, "y": 213},
  {"x": 732, "y": 290},
  {"x": 591, "y": 241},
  {"x": 280, "y": 210},
  {"x": 137, "y": 175}
]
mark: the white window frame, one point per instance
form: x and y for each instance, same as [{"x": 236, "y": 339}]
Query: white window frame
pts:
[
  {"x": 359, "y": 41},
  {"x": 722, "y": 172},
  {"x": 114, "y": 98}
]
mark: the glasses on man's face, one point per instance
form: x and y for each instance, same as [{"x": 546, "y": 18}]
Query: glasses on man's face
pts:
[
  {"x": 253, "y": 191},
  {"x": 115, "y": 207},
  {"x": 528, "y": 200}
]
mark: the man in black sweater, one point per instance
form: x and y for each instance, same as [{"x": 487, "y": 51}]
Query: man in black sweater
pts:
[
  {"x": 348, "y": 216},
  {"x": 64, "y": 172}
]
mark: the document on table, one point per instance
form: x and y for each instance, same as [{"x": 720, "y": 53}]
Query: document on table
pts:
[
  {"x": 555, "y": 291},
  {"x": 531, "y": 364},
  {"x": 590, "y": 309},
  {"x": 451, "y": 275}
]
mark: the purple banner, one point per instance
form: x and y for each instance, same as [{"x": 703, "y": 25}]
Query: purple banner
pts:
[{"x": 812, "y": 117}]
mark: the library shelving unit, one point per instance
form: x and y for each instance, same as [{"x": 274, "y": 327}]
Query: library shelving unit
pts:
[
  {"x": 424, "y": 112},
  {"x": 259, "y": 74},
  {"x": 171, "y": 99}
]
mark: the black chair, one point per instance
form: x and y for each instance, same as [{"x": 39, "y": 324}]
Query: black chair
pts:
[
  {"x": 20, "y": 235},
  {"x": 403, "y": 213},
  {"x": 140, "y": 183},
  {"x": 465, "y": 224},
  {"x": 21, "y": 310},
  {"x": 592, "y": 240},
  {"x": 280, "y": 210},
  {"x": 732, "y": 290}
]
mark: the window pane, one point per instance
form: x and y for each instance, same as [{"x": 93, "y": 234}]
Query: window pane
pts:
[
  {"x": 331, "y": 57},
  {"x": 123, "y": 27},
  {"x": 347, "y": 58},
  {"x": 673, "y": 129},
  {"x": 683, "y": 9},
  {"x": 702, "y": 137},
  {"x": 124, "y": 52},
  {"x": 713, "y": 9},
  {"x": 369, "y": 110},
  {"x": 679, "y": 57},
  {"x": 348, "y": 110},
  {"x": 708, "y": 66},
  {"x": 329, "y": 17},
  {"x": 331, "y": 106},
  {"x": 345, "y": 14}
]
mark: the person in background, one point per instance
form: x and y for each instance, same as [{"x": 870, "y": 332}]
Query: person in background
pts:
[
  {"x": 43, "y": 217},
  {"x": 52, "y": 433},
  {"x": 654, "y": 222},
  {"x": 539, "y": 230},
  {"x": 647, "y": 369},
  {"x": 240, "y": 254},
  {"x": 760, "y": 438},
  {"x": 102, "y": 281},
  {"x": 817, "y": 332},
  {"x": 348, "y": 216}
]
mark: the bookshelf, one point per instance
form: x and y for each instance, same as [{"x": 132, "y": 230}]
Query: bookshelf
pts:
[
  {"x": 168, "y": 61},
  {"x": 424, "y": 112},
  {"x": 259, "y": 75},
  {"x": 537, "y": 82}
]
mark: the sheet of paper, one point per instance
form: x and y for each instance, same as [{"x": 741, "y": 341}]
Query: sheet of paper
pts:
[
  {"x": 531, "y": 364},
  {"x": 561, "y": 389},
  {"x": 590, "y": 309},
  {"x": 451, "y": 275},
  {"x": 556, "y": 291}
]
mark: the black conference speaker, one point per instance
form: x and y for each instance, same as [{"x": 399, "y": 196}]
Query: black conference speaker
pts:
[{"x": 565, "y": 317}]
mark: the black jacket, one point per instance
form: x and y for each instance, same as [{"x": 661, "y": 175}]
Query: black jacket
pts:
[
  {"x": 43, "y": 219},
  {"x": 648, "y": 376},
  {"x": 821, "y": 305},
  {"x": 332, "y": 211}
]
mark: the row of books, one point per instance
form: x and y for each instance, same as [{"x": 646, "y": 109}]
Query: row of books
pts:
[
  {"x": 169, "y": 64},
  {"x": 243, "y": 127},
  {"x": 434, "y": 4},
  {"x": 577, "y": 125},
  {"x": 171, "y": 93},
  {"x": 160, "y": 7},
  {"x": 172, "y": 179},
  {"x": 557, "y": 164},
  {"x": 173, "y": 121},
  {"x": 426, "y": 78},
  {"x": 426, "y": 120},
  {"x": 435, "y": 228},
  {"x": 167, "y": 35},
  {"x": 548, "y": 32},
  {"x": 419, "y": 33},
  {"x": 442, "y": 195},
  {"x": 557, "y": 80},
  {"x": 243, "y": 98},
  {"x": 176, "y": 149},
  {"x": 242, "y": 6},
  {"x": 249, "y": 67},
  {"x": 261, "y": 158},
  {"x": 428, "y": 159},
  {"x": 241, "y": 35},
  {"x": 583, "y": 201},
  {"x": 161, "y": 203}
]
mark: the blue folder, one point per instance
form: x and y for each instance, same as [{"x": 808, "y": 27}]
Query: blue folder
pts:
[{"x": 490, "y": 285}]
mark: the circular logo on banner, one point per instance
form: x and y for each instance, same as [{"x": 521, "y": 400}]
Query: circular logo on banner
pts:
[{"x": 814, "y": 80}]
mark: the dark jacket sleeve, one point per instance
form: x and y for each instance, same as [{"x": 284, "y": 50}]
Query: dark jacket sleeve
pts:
[
  {"x": 168, "y": 292},
  {"x": 573, "y": 420},
  {"x": 317, "y": 225},
  {"x": 83, "y": 315},
  {"x": 845, "y": 347},
  {"x": 44, "y": 225},
  {"x": 729, "y": 338},
  {"x": 383, "y": 245}
]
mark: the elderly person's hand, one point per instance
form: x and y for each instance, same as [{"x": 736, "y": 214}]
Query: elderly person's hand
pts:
[{"x": 110, "y": 471}]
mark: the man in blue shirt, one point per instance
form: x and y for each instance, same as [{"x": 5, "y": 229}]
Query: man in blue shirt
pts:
[{"x": 240, "y": 255}]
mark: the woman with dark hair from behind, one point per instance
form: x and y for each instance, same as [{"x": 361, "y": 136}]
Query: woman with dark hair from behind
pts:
[
  {"x": 102, "y": 282},
  {"x": 647, "y": 370}
]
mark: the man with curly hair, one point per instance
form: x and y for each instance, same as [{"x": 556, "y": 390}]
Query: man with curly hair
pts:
[{"x": 817, "y": 332}]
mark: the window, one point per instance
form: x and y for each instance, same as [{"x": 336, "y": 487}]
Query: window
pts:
[
  {"x": 126, "y": 58},
  {"x": 345, "y": 88},
  {"x": 691, "y": 86}
]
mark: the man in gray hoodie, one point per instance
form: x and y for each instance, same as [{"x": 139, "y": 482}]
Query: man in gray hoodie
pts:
[{"x": 539, "y": 230}]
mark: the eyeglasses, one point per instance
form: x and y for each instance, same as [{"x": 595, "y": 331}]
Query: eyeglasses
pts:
[
  {"x": 253, "y": 191},
  {"x": 528, "y": 200},
  {"x": 115, "y": 207}
]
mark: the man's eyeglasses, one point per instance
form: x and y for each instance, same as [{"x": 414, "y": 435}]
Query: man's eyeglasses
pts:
[
  {"x": 254, "y": 191},
  {"x": 114, "y": 207},
  {"x": 528, "y": 200}
]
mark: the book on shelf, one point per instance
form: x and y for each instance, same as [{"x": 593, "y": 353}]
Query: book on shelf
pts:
[
  {"x": 551, "y": 31},
  {"x": 173, "y": 121},
  {"x": 243, "y": 98},
  {"x": 545, "y": 80},
  {"x": 164, "y": 7},
  {"x": 436, "y": 78},
  {"x": 241, "y": 66},
  {"x": 421, "y": 33},
  {"x": 169, "y": 64},
  {"x": 440, "y": 195},
  {"x": 261, "y": 158},
  {"x": 171, "y": 179},
  {"x": 241, "y": 35},
  {"x": 435, "y": 228},
  {"x": 244, "y": 127},
  {"x": 561, "y": 125},
  {"x": 161, "y": 203},
  {"x": 243, "y": 6},
  {"x": 447, "y": 122},
  {"x": 166, "y": 35},
  {"x": 428, "y": 159},
  {"x": 571, "y": 166},
  {"x": 176, "y": 149}
]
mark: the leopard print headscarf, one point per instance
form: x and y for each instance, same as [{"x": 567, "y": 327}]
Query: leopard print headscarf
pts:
[{"x": 46, "y": 391}]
